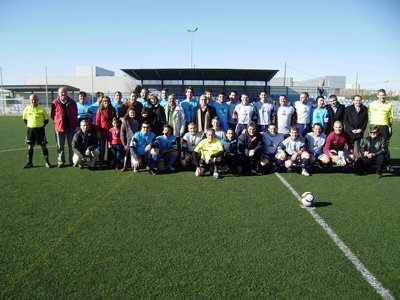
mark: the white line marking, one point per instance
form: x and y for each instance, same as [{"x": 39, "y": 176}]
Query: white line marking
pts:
[
  {"x": 373, "y": 282},
  {"x": 19, "y": 149}
]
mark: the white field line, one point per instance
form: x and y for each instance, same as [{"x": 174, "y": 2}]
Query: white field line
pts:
[
  {"x": 20, "y": 149},
  {"x": 373, "y": 282}
]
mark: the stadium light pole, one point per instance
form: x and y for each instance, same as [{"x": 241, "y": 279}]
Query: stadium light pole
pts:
[{"x": 191, "y": 45}]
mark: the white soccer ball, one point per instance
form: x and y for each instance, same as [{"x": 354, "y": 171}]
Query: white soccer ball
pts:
[{"x": 308, "y": 199}]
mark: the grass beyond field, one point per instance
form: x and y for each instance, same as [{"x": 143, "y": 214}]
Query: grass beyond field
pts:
[{"x": 71, "y": 233}]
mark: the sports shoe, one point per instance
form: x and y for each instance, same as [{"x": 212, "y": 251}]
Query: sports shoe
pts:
[
  {"x": 216, "y": 175},
  {"x": 289, "y": 170},
  {"x": 171, "y": 168},
  {"x": 152, "y": 171},
  {"x": 28, "y": 165},
  {"x": 390, "y": 169},
  {"x": 135, "y": 170},
  {"x": 305, "y": 172},
  {"x": 253, "y": 172},
  {"x": 320, "y": 165},
  {"x": 60, "y": 165},
  {"x": 47, "y": 165},
  {"x": 341, "y": 162},
  {"x": 378, "y": 176}
]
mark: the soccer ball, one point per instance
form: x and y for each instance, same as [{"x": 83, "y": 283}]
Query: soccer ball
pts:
[{"x": 308, "y": 199}]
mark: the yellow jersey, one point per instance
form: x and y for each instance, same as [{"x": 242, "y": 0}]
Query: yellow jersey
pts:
[{"x": 35, "y": 116}]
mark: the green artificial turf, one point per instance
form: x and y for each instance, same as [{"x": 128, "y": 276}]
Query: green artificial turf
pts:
[{"x": 109, "y": 234}]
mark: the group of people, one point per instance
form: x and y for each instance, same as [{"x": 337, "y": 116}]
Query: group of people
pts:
[{"x": 213, "y": 136}]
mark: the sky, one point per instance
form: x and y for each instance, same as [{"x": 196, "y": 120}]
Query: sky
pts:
[{"x": 314, "y": 38}]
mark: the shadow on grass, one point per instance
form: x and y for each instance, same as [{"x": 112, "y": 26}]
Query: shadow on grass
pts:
[{"x": 323, "y": 204}]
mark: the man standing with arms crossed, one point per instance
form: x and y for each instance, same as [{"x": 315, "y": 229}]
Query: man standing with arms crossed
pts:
[
  {"x": 36, "y": 119},
  {"x": 381, "y": 114},
  {"x": 64, "y": 113}
]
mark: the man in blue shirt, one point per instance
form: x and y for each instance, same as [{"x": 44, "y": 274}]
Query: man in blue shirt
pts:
[
  {"x": 189, "y": 104},
  {"x": 117, "y": 103},
  {"x": 83, "y": 107},
  {"x": 141, "y": 145},
  {"x": 222, "y": 110},
  {"x": 164, "y": 152}
]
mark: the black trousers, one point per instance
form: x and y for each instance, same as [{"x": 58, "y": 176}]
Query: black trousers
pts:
[{"x": 365, "y": 164}]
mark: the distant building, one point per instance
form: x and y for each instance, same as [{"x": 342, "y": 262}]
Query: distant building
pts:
[
  {"x": 90, "y": 79},
  {"x": 281, "y": 81},
  {"x": 333, "y": 82}
]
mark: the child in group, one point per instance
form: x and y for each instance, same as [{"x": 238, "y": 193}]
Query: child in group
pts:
[
  {"x": 115, "y": 144},
  {"x": 295, "y": 150},
  {"x": 216, "y": 125},
  {"x": 145, "y": 115},
  {"x": 320, "y": 114},
  {"x": 190, "y": 140}
]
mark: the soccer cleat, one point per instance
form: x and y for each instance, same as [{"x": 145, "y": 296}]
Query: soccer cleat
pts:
[
  {"x": 135, "y": 170},
  {"x": 216, "y": 175},
  {"x": 47, "y": 165},
  {"x": 28, "y": 165},
  {"x": 289, "y": 170},
  {"x": 320, "y": 165},
  {"x": 253, "y": 172},
  {"x": 60, "y": 165},
  {"x": 171, "y": 168},
  {"x": 390, "y": 169},
  {"x": 305, "y": 172},
  {"x": 152, "y": 171},
  {"x": 378, "y": 176}
]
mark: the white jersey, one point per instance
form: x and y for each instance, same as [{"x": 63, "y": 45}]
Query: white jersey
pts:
[
  {"x": 303, "y": 112},
  {"x": 284, "y": 118},
  {"x": 271, "y": 142},
  {"x": 315, "y": 144},
  {"x": 231, "y": 110},
  {"x": 291, "y": 147},
  {"x": 191, "y": 141},
  {"x": 244, "y": 113},
  {"x": 220, "y": 134},
  {"x": 264, "y": 112}
]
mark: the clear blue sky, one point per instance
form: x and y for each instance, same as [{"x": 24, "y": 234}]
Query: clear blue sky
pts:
[{"x": 314, "y": 38}]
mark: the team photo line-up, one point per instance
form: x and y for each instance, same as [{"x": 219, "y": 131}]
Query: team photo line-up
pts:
[{"x": 233, "y": 136}]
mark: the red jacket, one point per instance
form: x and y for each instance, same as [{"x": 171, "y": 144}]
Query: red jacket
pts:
[
  {"x": 56, "y": 114},
  {"x": 104, "y": 121}
]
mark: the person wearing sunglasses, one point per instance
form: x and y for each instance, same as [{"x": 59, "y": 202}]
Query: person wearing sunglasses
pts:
[{"x": 374, "y": 149}]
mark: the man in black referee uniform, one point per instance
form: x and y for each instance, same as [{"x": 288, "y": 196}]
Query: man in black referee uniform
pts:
[{"x": 36, "y": 118}]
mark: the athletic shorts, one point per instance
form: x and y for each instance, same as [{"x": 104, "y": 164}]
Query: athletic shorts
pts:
[
  {"x": 318, "y": 155},
  {"x": 188, "y": 157},
  {"x": 36, "y": 136},
  {"x": 270, "y": 157}
]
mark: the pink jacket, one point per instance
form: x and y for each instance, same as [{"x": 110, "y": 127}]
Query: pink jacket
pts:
[{"x": 57, "y": 114}]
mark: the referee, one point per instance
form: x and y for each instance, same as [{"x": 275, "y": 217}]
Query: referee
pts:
[{"x": 36, "y": 118}]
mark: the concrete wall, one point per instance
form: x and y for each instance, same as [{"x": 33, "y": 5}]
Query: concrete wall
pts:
[{"x": 106, "y": 84}]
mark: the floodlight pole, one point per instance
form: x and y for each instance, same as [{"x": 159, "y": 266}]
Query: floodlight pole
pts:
[{"x": 191, "y": 45}]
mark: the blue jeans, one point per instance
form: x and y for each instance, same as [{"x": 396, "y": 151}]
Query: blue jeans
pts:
[{"x": 117, "y": 154}]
